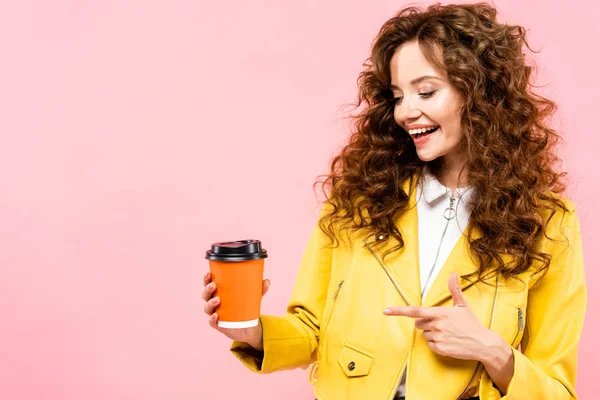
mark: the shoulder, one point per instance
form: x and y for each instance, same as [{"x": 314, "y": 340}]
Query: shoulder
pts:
[
  {"x": 555, "y": 208},
  {"x": 560, "y": 219},
  {"x": 561, "y": 198}
]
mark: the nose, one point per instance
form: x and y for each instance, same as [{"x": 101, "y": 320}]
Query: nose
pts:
[{"x": 405, "y": 113}]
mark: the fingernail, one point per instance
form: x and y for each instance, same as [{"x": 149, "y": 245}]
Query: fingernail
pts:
[
  {"x": 216, "y": 300},
  {"x": 387, "y": 311},
  {"x": 206, "y": 275},
  {"x": 212, "y": 285}
]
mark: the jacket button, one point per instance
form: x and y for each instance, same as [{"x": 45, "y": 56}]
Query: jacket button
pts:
[{"x": 351, "y": 366}]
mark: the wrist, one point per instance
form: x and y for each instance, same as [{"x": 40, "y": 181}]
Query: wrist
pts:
[
  {"x": 256, "y": 344},
  {"x": 496, "y": 352},
  {"x": 256, "y": 339},
  {"x": 498, "y": 360}
]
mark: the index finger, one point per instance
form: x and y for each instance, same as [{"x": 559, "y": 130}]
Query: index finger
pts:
[{"x": 413, "y": 312}]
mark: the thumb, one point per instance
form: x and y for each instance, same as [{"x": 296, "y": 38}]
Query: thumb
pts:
[
  {"x": 458, "y": 298},
  {"x": 265, "y": 286}
]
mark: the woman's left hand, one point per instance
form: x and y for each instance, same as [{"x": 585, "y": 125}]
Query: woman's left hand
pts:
[{"x": 451, "y": 331}]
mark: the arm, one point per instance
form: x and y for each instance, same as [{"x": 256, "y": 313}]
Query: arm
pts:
[
  {"x": 547, "y": 367},
  {"x": 291, "y": 341}
]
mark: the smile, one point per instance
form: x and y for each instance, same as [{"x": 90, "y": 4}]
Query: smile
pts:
[{"x": 416, "y": 133}]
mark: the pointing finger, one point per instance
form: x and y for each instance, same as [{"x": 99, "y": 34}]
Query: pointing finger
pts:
[{"x": 412, "y": 311}]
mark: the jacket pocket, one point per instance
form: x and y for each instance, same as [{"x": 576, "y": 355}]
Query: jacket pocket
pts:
[
  {"x": 520, "y": 326},
  {"x": 354, "y": 361}
]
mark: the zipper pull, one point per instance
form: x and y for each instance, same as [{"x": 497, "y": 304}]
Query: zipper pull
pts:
[
  {"x": 521, "y": 320},
  {"x": 450, "y": 212},
  {"x": 338, "y": 289}
]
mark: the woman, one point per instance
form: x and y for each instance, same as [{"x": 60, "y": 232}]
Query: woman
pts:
[{"x": 445, "y": 242}]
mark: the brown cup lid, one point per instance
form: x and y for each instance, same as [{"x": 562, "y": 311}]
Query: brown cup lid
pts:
[{"x": 240, "y": 250}]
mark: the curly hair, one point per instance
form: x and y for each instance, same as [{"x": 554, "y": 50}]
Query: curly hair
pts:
[{"x": 509, "y": 146}]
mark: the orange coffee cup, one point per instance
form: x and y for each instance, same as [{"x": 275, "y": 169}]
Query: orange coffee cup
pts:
[{"x": 237, "y": 269}]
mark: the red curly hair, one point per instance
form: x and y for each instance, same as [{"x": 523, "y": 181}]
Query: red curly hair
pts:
[{"x": 509, "y": 147}]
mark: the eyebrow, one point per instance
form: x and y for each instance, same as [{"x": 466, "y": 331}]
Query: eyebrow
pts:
[{"x": 417, "y": 80}]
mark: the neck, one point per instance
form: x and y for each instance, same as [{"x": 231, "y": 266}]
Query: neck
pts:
[{"x": 451, "y": 173}]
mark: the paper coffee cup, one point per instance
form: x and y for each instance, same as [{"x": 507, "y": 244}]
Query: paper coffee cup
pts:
[{"x": 237, "y": 269}]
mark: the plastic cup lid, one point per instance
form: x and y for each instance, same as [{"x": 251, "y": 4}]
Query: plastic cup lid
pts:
[{"x": 239, "y": 250}]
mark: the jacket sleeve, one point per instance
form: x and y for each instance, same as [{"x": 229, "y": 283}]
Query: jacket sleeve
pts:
[
  {"x": 547, "y": 367},
  {"x": 291, "y": 341}
]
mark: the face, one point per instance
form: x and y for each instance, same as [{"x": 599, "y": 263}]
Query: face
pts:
[{"x": 424, "y": 98}]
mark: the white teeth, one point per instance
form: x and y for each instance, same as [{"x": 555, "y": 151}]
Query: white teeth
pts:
[{"x": 421, "y": 130}]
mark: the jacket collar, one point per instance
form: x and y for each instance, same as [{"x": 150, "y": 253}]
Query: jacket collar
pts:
[
  {"x": 402, "y": 265},
  {"x": 432, "y": 189}
]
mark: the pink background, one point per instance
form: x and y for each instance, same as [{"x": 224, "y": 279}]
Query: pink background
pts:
[{"x": 136, "y": 133}]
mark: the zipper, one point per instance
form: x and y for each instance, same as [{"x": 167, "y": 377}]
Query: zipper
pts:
[
  {"x": 449, "y": 214},
  {"x": 337, "y": 292},
  {"x": 521, "y": 327},
  {"x": 399, "y": 377},
  {"x": 521, "y": 320},
  {"x": 480, "y": 364},
  {"x": 405, "y": 298},
  {"x": 313, "y": 369},
  {"x": 412, "y": 345},
  {"x": 521, "y": 324}
]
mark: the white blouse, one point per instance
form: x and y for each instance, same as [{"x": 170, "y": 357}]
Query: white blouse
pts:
[{"x": 437, "y": 235}]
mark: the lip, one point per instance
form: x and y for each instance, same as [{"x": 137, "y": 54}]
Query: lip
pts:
[
  {"x": 423, "y": 140},
  {"x": 417, "y": 126}
]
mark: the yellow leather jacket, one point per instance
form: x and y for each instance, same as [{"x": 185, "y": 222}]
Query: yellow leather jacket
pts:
[{"x": 334, "y": 320}]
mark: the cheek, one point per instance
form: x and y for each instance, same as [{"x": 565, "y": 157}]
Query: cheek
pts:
[
  {"x": 447, "y": 114},
  {"x": 443, "y": 109}
]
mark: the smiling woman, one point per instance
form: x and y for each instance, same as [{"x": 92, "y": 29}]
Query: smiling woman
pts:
[{"x": 445, "y": 242}]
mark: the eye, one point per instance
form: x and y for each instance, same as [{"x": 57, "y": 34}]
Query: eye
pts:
[
  {"x": 427, "y": 95},
  {"x": 398, "y": 100}
]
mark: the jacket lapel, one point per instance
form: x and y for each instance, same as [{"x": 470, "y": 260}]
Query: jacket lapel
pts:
[
  {"x": 459, "y": 260},
  {"x": 402, "y": 266}
]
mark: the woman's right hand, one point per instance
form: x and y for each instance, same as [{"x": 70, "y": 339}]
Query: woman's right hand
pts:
[{"x": 252, "y": 336}]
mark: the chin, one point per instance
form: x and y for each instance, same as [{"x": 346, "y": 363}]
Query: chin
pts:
[{"x": 427, "y": 157}]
